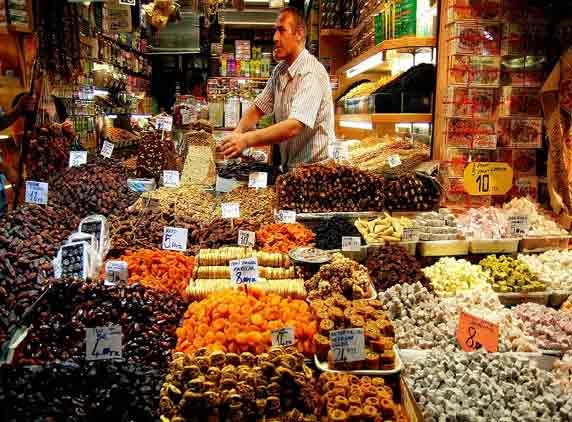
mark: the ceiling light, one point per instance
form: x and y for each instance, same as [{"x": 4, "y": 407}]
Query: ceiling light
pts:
[
  {"x": 365, "y": 125},
  {"x": 367, "y": 64}
]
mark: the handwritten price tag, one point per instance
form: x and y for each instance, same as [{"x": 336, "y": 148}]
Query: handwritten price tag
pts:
[
  {"x": 230, "y": 210},
  {"x": 244, "y": 271},
  {"x": 107, "y": 149},
  {"x": 340, "y": 151},
  {"x": 165, "y": 123},
  {"x": 77, "y": 158},
  {"x": 175, "y": 239},
  {"x": 351, "y": 244},
  {"x": 116, "y": 272},
  {"x": 285, "y": 216},
  {"x": 519, "y": 225},
  {"x": 394, "y": 160},
  {"x": 171, "y": 178},
  {"x": 410, "y": 235},
  {"x": 258, "y": 179},
  {"x": 103, "y": 343},
  {"x": 474, "y": 333},
  {"x": 283, "y": 337},
  {"x": 36, "y": 193},
  {"x": 348, "y": 345},
  {"x": 127, "y": 2},
  {"x": 246, "y": 239}
]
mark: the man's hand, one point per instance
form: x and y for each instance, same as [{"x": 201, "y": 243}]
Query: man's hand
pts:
[
  {"x": 26, "y": 104},
  {"x": 233, "y": 145}
]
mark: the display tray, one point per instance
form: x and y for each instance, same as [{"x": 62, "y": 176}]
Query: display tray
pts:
[
  {"x": 510, "y": 299},
  {"x": 490, "y": 246},
  {"x": 444, "y": 248},
  {"x": 558, "y": 297},
  {"x": 325, "y": 215},
  {"x": 543, "y": 244},
  {"x": 409, "y": 246},
  {"x": 324, "y": 367}
]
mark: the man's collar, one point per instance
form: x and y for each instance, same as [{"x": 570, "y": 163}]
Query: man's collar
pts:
[{"x": 295, "y": 67}]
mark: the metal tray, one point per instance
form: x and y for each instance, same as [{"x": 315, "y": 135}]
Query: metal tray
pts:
[{"x": 323, "y": 366}]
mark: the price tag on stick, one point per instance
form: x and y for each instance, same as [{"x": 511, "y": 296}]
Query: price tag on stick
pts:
[
  {"x": 77, "y": 158},
  {"x": 394, "y": 160},
  {"x": 519, "y": 225},
  {"x": 348, "y": 345},
  {"x": 116, "y": 272},
  {"x": 164, "y": 123},
  {"x": 258, "y": 179},
  {"x": 244, "y": 271},
  {"x": 283, "y": 337},
  {"x": 171, "y": 178},
  {"x": 36, "y": 193},
  {"x": 474, "y": 333},
  {"x": 175, "y": 239},
  {"x": 285, "y": 216},
  {"x": 230, "y": 210},
  {"x": 246, "y": 238},
  {"x": 107, "y": 149},
  {"x": 351, "y": 244},
  {"x": 102, "y": 343}
]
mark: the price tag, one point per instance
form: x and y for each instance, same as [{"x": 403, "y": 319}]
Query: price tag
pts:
[
  {"x": 171, "y": 178},
  {"x": 283, "y": 337},
  {"x": 474, "y": 333},
  {"x": 285, "y": 216},
  {"x": 340, "y": 151},
  {"x": 410, "y": 234},
  {"x": 483, "y": 179},
  {"x": 394, "y": 160},
  {"x": 224, "y": 185},
  {"x": 258, "y": 179},
  {"x": 246, "y": 239},
  {"x": 102, "y": 343},
  {"x": 230, "y": 210},
  {"x": 186, "y": 116},
  {"x": 36, "y": 193},
  {"x": 116, "y": 272},
  {"x": 348, "y": 345},
  {"x": 519, "y": 225},
  {"x": 175, "y": 239},
  {"x": 127, "y": 2},
  {"x": 351, "y": 244},
  {"x": 244, "y": 271},
  {"x": 107, "y": 149},
  {"x": 164, "y": 123},
  {"x": 77, "y": 158}
]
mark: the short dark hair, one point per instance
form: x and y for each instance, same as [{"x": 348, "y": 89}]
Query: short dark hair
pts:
[{"x": 299, "y": 20}]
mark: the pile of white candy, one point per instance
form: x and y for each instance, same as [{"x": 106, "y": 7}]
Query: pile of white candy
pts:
[
  {"x": 450, "y": 276},
  {"x": 551, "y": 329},
  {"x": 552, "y": 267}
]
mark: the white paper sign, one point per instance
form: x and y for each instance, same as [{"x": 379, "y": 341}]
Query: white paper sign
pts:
[
  {"x": 116, "y": 272},
  {"x": 103, "y": 343},
  {"x": 186, "y": 116},
  {"x": 410, "y": 234},
  {"x": 519, "y": 225},
  {"x": 348, "y": 345},
  {"x": 351, "y": 244},
  {"x": 224, "y": 185},
  {"x": 175, "y": 239},
  {"x": 246, "y": 238},
  {"x": 77, "y": 158},
  {"x": 394, "y": 160},
  {"x": 107, "y": 149},
  {"x": 165, "y": 123},
  {"x": 258, "y": 179},
  {"x": 286, "y": 216},
  {"x": 127, "y": 2},
  {"x": 36, "y": 193},
  {"x": 244, "y": 271},
  {"x": 283, "y": 337},
  {"x": 171, "y": 178},
  {"x": 340, "y": 151},
  {"x": 230, "y": 210}
]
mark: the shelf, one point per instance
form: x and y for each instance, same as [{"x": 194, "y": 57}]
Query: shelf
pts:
[
  {"x": 237, "y": 78},
  {"x": 386, "y": 118},
  {"x": 396, "y": 44},
  {"x": 340, "y": 33}
]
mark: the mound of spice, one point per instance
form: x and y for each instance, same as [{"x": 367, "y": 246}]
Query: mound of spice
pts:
[{"x": 283, "y": 237}]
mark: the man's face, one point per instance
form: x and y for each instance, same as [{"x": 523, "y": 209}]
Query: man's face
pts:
[{"x": 287, "y": 37}]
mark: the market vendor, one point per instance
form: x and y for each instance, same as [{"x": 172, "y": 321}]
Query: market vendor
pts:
[{"x": 298, "y": 95}]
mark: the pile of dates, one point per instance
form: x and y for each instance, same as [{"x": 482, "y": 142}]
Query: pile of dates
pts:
[
  {"x": 148, "y": 320},
  {"x": 49, "y": 153},
  {"x": 412, "y": 192}
]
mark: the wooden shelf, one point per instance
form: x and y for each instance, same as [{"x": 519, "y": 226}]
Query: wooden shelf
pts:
[
  {"x": 386, "y": 118},
  {"x": 340, "y": 33}
]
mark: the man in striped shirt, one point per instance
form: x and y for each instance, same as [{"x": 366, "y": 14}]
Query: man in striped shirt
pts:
[{"x": 299, "y": 96}]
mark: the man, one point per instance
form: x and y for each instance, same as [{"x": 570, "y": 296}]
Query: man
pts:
[{"x": 299, "y": 96}]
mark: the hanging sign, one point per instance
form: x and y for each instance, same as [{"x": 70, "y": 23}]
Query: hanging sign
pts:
[{"x": 483, "y": 179}]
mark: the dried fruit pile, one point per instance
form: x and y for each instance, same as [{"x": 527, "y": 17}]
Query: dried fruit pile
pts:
[
  {"x": 49, "y": 154},
  {"x": 283, "y": 237}
]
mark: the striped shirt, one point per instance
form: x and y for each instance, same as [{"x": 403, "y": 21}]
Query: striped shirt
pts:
[{"x": 302, "y": 92}]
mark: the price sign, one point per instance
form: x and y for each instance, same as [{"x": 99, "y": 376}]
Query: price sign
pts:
[
  {"x": 246, "y": 239},
  {"x": 171, "y": 178},
  {"x": 224, "y": 185},
  {"x": 474, "y": 333},
  {"x": 230, "y": 210},
  {"x": 410, "y": 235},
  {"x": 36, "y": 193},
  {"x": 164, "y": 123},
  {"x": 116, "y": 272},
  {"x": 340, "y": 151},
  {"x": 107, "y": 149},
  {"x": 283, "y": 337},
  {"x": 258, "y": 179},
  {"x": 103, "y": 343},
  {"x": 519, "y": 225},
  {"x": 77, "y": 158},
  {"x": 483, "y": 179},
  {"x": 127, "y": 2},
  {"x": 175, "y": 239},
  {"x": 394, "y": 160},
  {"x": 348, "y": 345},
  {"x": 351, "y": 244},
  {"x": 285, "y": 216},
  {"x": 244, "y": 271}
]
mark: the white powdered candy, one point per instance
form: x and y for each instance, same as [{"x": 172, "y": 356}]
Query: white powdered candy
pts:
[{"x": 553, "y": 268}]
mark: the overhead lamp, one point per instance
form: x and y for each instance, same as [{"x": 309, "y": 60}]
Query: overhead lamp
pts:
[
  {"x": 3, "y": 137},
  {"x": 353, "y": 124},
  {"x": 111, "y": 116},
  {"x": 141, "y": 116},
  {"x": 365, "y": 65},
  {"x": 100, "y": 92}
]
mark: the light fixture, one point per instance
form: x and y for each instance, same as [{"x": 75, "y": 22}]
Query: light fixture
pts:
[
  {"x": 365, "y": 65},
  {"x": 365, "y": 125},
  {"x": 2, "y": 137},
  {"x": 112, "y": 116},
  {"x": 141, "y": 116},
  {"x": 100, "y": 92}
]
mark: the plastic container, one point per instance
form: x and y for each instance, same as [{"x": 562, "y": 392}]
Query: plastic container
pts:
[
  {"x": 513, "y": 299},
  {"x": 543, "y": 244},
  {"x": 444, "y": 248},
  {"x": 490, "y": 246},
  {"x": 323, "y": 366}
]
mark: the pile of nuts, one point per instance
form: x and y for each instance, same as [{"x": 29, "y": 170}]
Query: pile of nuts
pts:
[
  {"x": 511, "y": 275},
  {"x": 255, "y": 204}
]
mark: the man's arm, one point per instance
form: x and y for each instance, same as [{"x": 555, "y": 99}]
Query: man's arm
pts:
[{"x": 249, "y": 120}]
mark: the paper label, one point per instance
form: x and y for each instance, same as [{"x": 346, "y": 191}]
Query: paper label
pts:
[
  {"x": 103, "y": 343},
  {"x": 410, "y": 234},
  {"x": 175, "y": 239},
  {"x": 285, "y": 216},
  {"x": 77, "y": 158},
  {"x": 258, "y": 179},
  {"x": 483, "y": 179},
  {"x": 171, "y": 178},
  {"x": 224, "y": 185},
  {"x": 244, "y": 271},
  {"x": 230, "y": 210},
  {"x": 351, "y": 244},
  {"x": 283, "y": 337},
  {"x": 348, "y": 345},
  {"x": 246, "y": 238},
  {"x": 164, "y": 123},
  {"x": 474, "y": 333},
  {"x": 186, "y": 116},
  {"x": 36, "y": 193},
  {"x": 107, "y": 149},
  {"x": 519, "y": 225},
  {"x": 127, "y": 2},
  {"x": 340, "y": 151},
  {"x": 394, "y": 160},
  {"x": 116, "y": 272}
]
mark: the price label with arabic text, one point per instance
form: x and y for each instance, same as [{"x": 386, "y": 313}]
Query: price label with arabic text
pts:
[
  {"x": 77, "y": 158},
  {"x": 283, "y": 337},
  {"x": 351, "y": 244},
  {"x": 348, "y": 345},
  {"x": 244, "y": 271},
  {"x": 103, "y": 343},
  {"x": 171, "y": 178},
  {"x": 475, "y": 333},
  {"x": 36, "y": 193},
  {"x": 246, "y": 238},
  {"x": 107, "y": 149},
  {"x": 175, "y": 239},
  {"x": 285, "y": 216},
  {"x": 230, "y": 210}
]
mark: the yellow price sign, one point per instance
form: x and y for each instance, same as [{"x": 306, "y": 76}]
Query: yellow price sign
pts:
[{"x": 482, "y": 179}]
